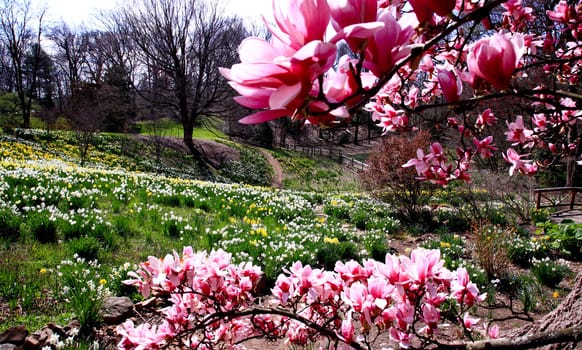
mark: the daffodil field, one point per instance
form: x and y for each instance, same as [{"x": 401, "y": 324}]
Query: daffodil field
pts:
[
  {"x": 70, "y": 234},
  {"x": 53, "y": 211}
]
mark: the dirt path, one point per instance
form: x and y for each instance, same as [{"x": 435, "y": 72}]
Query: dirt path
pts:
[{"x": 277, "y": 180}]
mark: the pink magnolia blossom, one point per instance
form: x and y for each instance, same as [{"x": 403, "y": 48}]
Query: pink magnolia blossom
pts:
[
  {"x": 518, "y": 134},
  {"x": 299, "y": 22},
  {"x": 340, "y": 84},
  {"x": 493, "y": 331},
  {"x": 517, "y": 15},
  {"x": 424, "y": 9},
  {"x": 380, "y": 291},
  {"x": 487, "y": 118},
  {"x": 280, "y": 85},
  {"x": 388, "y": 45},
  {"x": 426, "y": 64},
  {"x": 354, "y": 20},
  {"x": 279, "y": 74},
  {"x": 348, "y": 330},
  {"x": 284, "y": 288},
  {"x": 540, "y": 121},
  {"x": 351, "y": 271},
  {"x": 485, "y": 147},
  {"x": 402, "y": 338},
  {"x": 387, "y": 117},
  {"x": 561, "y": 12},
  {"x": 419, "y": 163},
  {"x": 518, "y": 164},
  {"x": 423, "y": 264},
  {"x": 469, "y": 321},
  {"x": 356, "y": 296},
  {"x": 386, "y": 295},
  {"x": 431, "y": 316},
  {"x": 495, "y": 59},
  {"x": 463, "y": 290},
  {"x": 451, "y": 86}
]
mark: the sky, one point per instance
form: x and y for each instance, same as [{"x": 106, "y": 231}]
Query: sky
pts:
[{"x": 75, "y": 12}]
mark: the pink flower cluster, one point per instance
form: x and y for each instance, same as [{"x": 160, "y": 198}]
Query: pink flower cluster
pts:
[
  {"x": 211, "y": 301},
  {"x": 437, "y": 168},
  {"x": 393, "y": 296},
  {"x": 406, "y": 55},
  {"x": 197, "y": 285},
  {"x": 285, "y": 75}
]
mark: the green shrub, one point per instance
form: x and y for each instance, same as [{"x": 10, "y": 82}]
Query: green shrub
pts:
[
  {"x": 360, "y": 219},
  {"x": 540, "y": 215},
  {"x": 521, "y": 250},
  {"x": 172, "y": 229},
  {"x": 549, "y": 273},
  {"x": 105, "y": 235},
  {"x": 564, "y": 239},
  {"x": 329, "y": 254},
  {"x": 453, "y": 220},
  {"x": 338, "y": 209},
  {"x": 73, "y": 228},
  {"x": 42, "y": 227},
  {"x": 252, "y": 168},
  {"x": 83, "y": 289},
  {"x": 86, "y": 247},
  {"x": 115, "y": 282},
  {"x": 523, "y": 288},
  {"x": 495, "y": 216},
  {"x": 123, "y": 227},
  {"x": 9, "y": 225}
]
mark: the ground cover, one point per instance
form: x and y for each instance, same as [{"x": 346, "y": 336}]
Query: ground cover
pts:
[{"x": 70, "y": 234}]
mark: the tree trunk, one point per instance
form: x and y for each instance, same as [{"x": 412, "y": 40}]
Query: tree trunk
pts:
[
  {"x": 197, "y": 153},
  {"x": 566, "y": 315}
]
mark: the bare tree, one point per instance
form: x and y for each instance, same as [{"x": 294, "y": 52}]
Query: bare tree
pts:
[
  {"x": 19, "y": 36},
  {"x": 86, "y": 112},
  {"x": 183, "y": 42},
  {"x": 69, "y": 56}
]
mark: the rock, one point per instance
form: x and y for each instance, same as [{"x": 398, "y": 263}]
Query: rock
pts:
[
  {"x": 14, "y": 335},
  {"x": 116, "y": 309},
  {"x": 7, "y": 346},
  {"x": 72, "y": 329},
  {"x": 38, "y": 339}
]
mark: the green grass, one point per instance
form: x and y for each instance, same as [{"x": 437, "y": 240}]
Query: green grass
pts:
[
  {"x": 210, "y": 129},
  {"x": 309, "y": 174}
]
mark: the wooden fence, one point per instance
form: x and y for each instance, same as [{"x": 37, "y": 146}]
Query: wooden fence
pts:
[
  {"x": 329, "y": 152},
  {"x": 558, "y": 197},
  {"x": 354, "y": 164},
  {"x": 311, "y": 151}
]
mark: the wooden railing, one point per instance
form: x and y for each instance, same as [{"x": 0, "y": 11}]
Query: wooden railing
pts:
[
  {"x": 311, "y": 151},
  {"x": 558, "y": 197},
  {"x": 354, "y": 164}
]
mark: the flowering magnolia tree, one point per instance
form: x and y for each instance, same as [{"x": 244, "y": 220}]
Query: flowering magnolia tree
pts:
[
  {"x": 212, "y": 303},
  {"x": 409, "y": 56}
]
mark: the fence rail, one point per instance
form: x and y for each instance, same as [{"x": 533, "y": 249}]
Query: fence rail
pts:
[
  {"x": 558, "y": 197},
  {"x": 354, "y": 164},
  {"x": 334, "y": 154}
]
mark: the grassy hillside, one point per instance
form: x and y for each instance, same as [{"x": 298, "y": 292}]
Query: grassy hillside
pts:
[
  {"x": 121, "y": 207},
  {"x": 69, "y": 234}
]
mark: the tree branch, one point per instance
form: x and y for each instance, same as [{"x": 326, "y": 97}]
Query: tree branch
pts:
[{"x": 571, "y": 334}]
